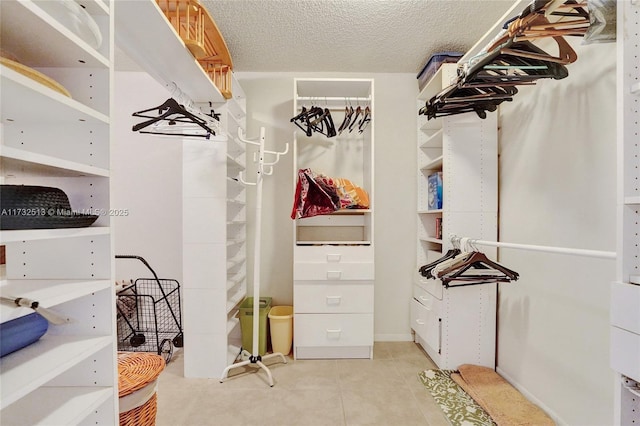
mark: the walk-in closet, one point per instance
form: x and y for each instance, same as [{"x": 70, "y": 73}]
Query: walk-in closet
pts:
[{"x": 319, "y": 212}]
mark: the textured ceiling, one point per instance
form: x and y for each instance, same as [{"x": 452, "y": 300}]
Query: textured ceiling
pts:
[{"x": 349, "y": 35}]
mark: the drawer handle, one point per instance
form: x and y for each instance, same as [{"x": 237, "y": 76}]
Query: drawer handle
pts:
[
  {"x": 334, "y": 334},
  {"x": 334, "y": 300},
  {"x": 333, "y": 257},
  {"x": 334, "y": 275}
]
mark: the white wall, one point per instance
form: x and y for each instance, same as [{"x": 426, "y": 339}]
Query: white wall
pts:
[
  {"x": 270, "y": 104},
  {"x": 557, "y": 188},
  {"x": 146, "y": 179}
]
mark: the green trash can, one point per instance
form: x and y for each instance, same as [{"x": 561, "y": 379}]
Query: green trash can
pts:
[{"x": 246, "y": 324}]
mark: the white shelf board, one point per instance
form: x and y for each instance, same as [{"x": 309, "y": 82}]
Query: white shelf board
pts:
[
  {"x": 234, "y": 163},
  {"x": 435, "y": 84},
  {"x": 94, "y": 7},
  {"x": 26, "y": 370},
  {"x": 236, "y": 109},
  {"x": 47, "y": 234},
  {"x": 333, "y": 243},
  {"x": 635, "y": 88},
  {"x": 236, "y": 222},
  {"x": 233, "y": 263},
  {"x": 432, "y": 240},
  {"x": 233, "y": 351},
  {"x": 235, "y": 280},
  {"x": 235, "y": 242},
  {"x": 232, "y": 323},
  {"x": 435, "y": 211},
  {"x": 236, "y": 298},
  {"x": 435, "y": 164},
  {"x": 634, "y": 279},
  {"x": 147, "y": 37},
  {"x": 351, "y": 211},
  {"x": 356, "y": 88},
  {"x": 56, "y": 46},
  {"x": 48, "y": 293},
  {"x": 40, "y": 104},
  {"x": 480, "y": 45},
  {"x": 433, "y": 141},
  {"x": 56, "y": 406},
  {"x": 14, "y": 158},
  {"x": 632, "y": 200}
]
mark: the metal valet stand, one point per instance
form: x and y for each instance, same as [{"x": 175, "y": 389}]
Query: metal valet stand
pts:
[{"x": 264, "y": 168}]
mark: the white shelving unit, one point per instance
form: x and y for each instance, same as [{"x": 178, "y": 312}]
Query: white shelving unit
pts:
[
  {"x": 464, "y": 149},
  {"x": 69, "y": 376},
  {"x": 334, "y": 254},
  {"x": 625, "y": 291},
  {"x": 214, "y": 201}
]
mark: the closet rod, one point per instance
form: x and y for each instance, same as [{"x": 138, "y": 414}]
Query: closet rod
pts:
[
  {"x": 560, "y": 250},
  {"x": 352, "y": 99}
]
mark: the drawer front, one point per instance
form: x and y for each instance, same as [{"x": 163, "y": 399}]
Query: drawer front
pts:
[
  {"x": 333, "y": 271},
  {"x": 432, "y": 286},
  {"x": 334, "y": 254},
  {"x": 319, "y": 297},
  {"x": 625, "y": 353},
  {"x": 333, "y": 329},
  {"x": 426, "y": 320},
  {"x": 418, "y": 318},
  {"x": 625, "y": 306},
  {"x": 423, "y": 296}
]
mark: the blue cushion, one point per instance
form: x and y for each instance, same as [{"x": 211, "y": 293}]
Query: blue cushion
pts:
[{"x": 21, "y": 332}]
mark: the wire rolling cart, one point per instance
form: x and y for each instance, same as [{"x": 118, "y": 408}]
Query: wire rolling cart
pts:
[{"x": 149, "y": 314}]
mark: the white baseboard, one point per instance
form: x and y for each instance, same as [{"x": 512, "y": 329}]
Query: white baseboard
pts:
[
  {"x": 393, "y": 337},
  {"x": 532, "y": 398}
]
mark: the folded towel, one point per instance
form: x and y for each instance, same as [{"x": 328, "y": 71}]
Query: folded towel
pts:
[{"x": 503, "y": 402}]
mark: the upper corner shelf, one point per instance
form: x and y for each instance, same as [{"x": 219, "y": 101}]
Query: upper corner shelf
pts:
[
  {"x": 196, "y": 28},
  {"x": 159, "y": 50}
]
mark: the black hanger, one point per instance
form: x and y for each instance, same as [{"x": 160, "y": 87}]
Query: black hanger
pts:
[
  {"x": 348, "y": 113},
  {"x": 355, "y": 118},
  {"x": 366, "y": 118},
  {"x": 174, "y": 113}
]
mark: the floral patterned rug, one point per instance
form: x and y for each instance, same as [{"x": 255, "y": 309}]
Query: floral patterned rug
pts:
[{"x": 457, "y": 405}]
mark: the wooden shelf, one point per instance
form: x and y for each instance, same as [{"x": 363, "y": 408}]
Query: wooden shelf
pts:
[
  {"x": 435, "y": 211},
  {"x": 158, "y": 49}
]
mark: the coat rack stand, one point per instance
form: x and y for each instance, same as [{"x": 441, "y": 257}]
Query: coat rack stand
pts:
[{"x": 264, "y": 168}]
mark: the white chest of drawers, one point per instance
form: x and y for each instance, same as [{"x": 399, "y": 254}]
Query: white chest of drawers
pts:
[{"x": 333, "y": 302}]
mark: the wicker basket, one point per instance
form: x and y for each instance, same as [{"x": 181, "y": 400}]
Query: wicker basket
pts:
[{"x": 135, "y": 371}]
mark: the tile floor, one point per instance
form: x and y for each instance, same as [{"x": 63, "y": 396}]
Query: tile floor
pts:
[{"x": 382, "y": 391}]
